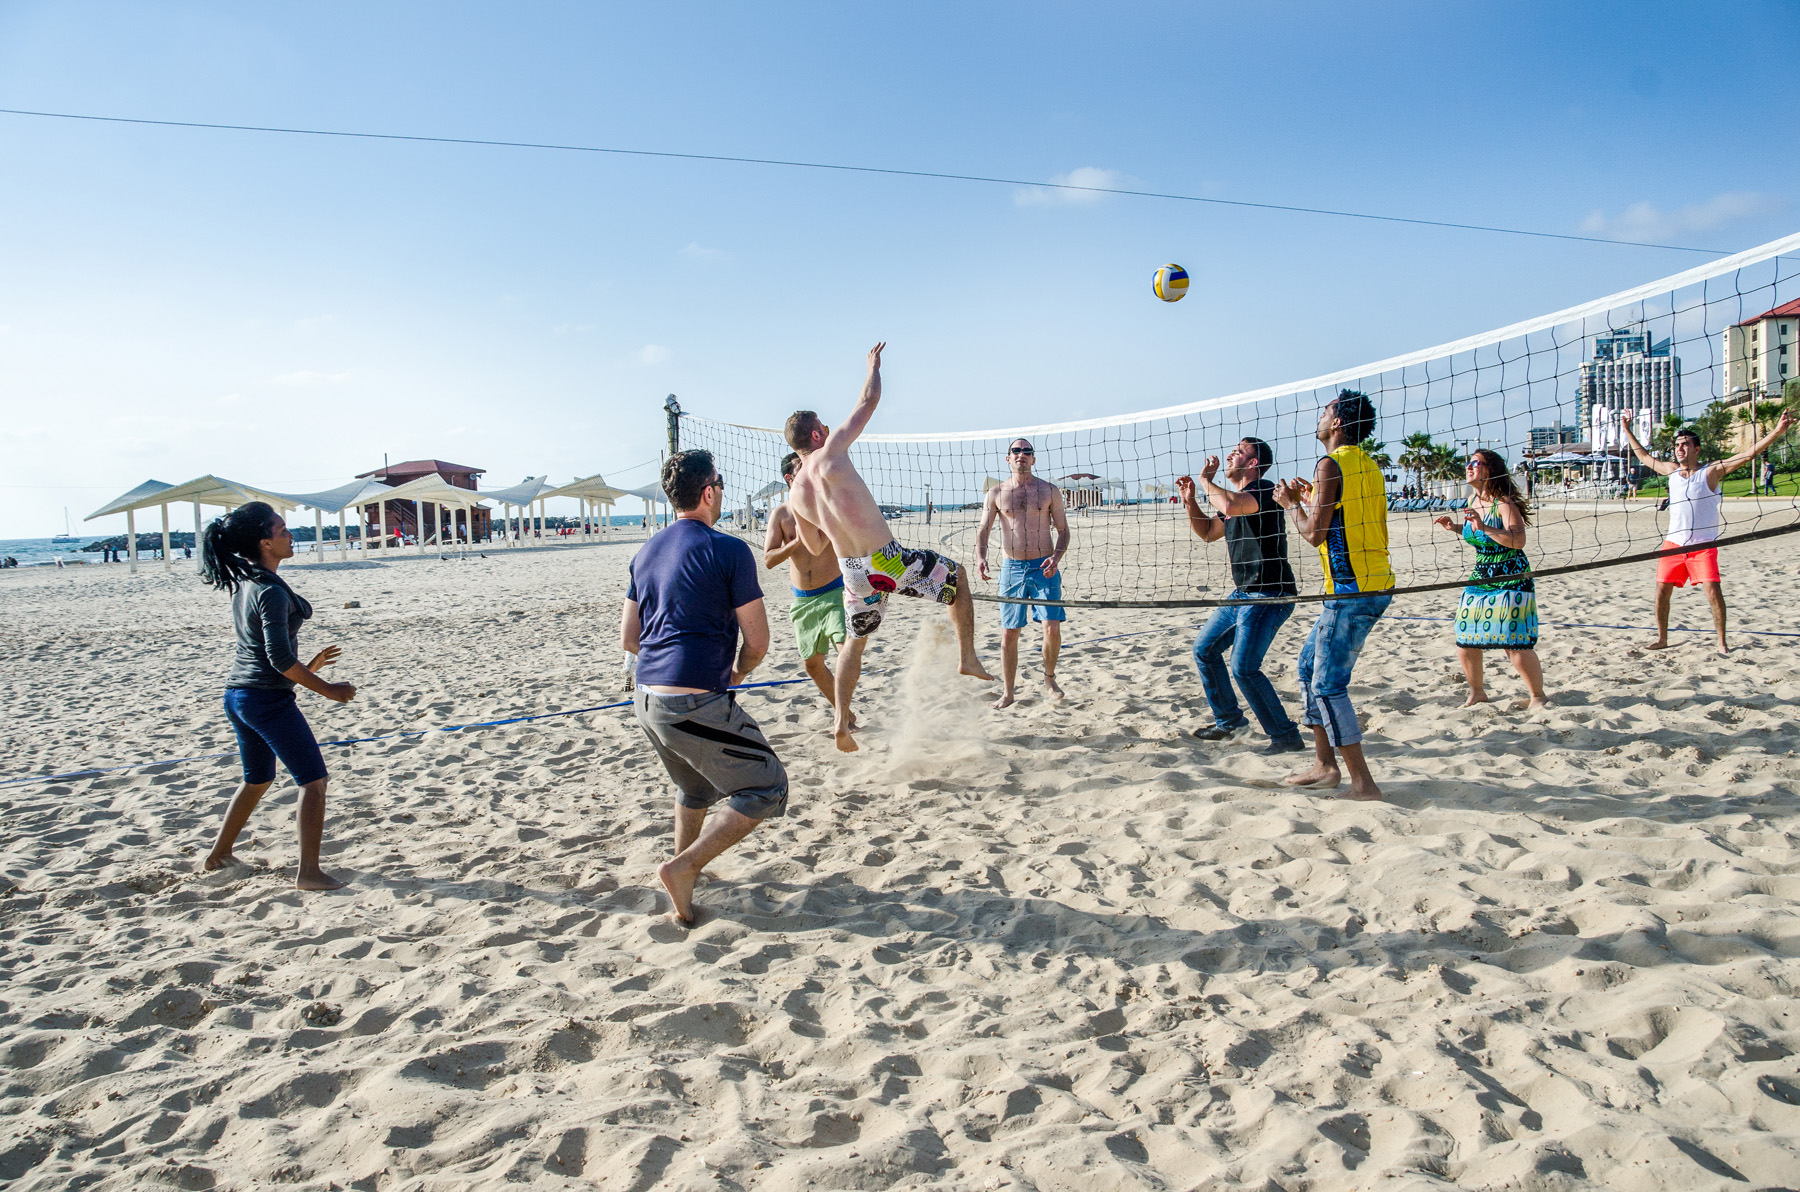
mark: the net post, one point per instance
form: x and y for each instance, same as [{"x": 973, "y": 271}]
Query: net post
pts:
[{"x": 674, "y": 410}]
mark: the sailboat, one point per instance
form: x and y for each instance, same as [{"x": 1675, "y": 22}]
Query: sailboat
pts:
[{"x": 67, "y": 535}]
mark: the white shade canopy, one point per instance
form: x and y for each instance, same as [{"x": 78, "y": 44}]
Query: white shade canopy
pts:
[
  {"x": 588, "y": 488},
  {"x": 522, "y": 493},
  {"x": 434, "y": 490},
  {"x": 347, "y": 496},
  {"x": 650, "y": 492},
  {"x": 203, "y": 490},
  {"x": 773, "y": 488}
]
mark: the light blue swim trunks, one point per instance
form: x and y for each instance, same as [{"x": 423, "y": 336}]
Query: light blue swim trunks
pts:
[{"x": 1024, "y": 578}]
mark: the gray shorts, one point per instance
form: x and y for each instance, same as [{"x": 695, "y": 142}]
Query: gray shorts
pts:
[{"x": 712, "y": 751}]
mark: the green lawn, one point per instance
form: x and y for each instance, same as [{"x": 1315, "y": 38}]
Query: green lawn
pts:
[{"x": 1738, "y": 484}]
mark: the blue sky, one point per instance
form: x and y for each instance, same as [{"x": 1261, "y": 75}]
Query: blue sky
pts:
[{"x": 284, "y": 310}]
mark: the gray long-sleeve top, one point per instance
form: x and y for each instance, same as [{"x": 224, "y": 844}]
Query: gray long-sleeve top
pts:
[{"x": 267, "y": 615}]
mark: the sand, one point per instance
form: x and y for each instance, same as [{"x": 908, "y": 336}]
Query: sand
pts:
[{"x": 1052, "y": 947}]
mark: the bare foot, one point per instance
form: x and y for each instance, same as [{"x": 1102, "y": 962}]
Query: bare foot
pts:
[
  {"x": 1658, "y": 645},
  {"x": 854, "y": 726},
  {"x": 1324, "y": 777},
  {"x": 1475, "y": 699},
  {"x": 214, "y": 862},
  {"x": 1056, "y": 692},
  {"x": 1724, "y": 649},
  {"x": 318, "y": 879},
  {"x": 1537, "y": 704},
  {"x": 680, "y": 885},
  {"x": 1005, "y": 701},
  {"x": 1366, "y": 793},
  {"x": 845, "y": 742},
  {"x": 975, "y": 670}
]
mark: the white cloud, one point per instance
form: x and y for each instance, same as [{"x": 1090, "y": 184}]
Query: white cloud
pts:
[
  {"x": 651, "y": 355},
  {"x": 1091, "y": 176},
  {"x": 700, "y": 252},
  {"x": 1645, "y": 221},
  {"x": 307, "y": 379}
]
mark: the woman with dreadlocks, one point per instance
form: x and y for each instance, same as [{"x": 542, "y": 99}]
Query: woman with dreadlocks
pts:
[
  {"x": 240, "y": 553},
  {"x": 1498, "y": 610}
]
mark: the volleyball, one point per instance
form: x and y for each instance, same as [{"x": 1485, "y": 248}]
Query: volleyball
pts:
[{"x": 1171, "y": 283}]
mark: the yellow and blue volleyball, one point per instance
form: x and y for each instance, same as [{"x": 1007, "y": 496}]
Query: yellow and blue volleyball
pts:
[{"x": 1171, "y": 283}]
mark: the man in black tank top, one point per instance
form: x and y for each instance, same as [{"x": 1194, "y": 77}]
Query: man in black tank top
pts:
[{"x": 1255, "y": 535}]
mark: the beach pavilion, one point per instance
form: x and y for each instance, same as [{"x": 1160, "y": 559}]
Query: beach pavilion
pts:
[
  {"x": 356, "y": 495},
  {"x": 443, "y": 500},
  {"x": 650, "y": 494},
  {"x": 522, "y": 496},
  {"x": 203, "y": 490},
  {"x": 594, "y": 494}
]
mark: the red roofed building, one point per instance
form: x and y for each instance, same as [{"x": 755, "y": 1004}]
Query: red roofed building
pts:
[
  {"x": 404, "y": 515},
  {"x": 1762, "y": 354}
]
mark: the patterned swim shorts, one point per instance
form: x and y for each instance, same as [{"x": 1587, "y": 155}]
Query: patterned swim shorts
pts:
[{"x": 896, "y": 569}]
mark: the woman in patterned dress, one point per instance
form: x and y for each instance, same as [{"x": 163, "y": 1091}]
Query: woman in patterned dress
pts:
[{"x": 1499, "y": 606}]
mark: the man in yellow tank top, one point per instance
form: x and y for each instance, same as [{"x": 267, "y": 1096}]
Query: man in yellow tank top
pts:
[{"x": 1343, "y": 512}]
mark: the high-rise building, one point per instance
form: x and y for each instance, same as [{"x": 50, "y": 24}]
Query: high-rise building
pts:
[
  {"x": 1555, "y": 435},
  {"x": 1762, "y": 354},
  {"x": 1629, "y": 372}
]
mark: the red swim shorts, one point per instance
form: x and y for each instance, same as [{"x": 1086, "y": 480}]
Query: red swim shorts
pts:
[{"x": 1696, "y": 566}]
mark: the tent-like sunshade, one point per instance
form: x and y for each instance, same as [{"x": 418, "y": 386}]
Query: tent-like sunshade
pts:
[
  {"x": 588, "y": 488},
  {"x": 1562, "y": 457},
  {"x": 650, "y": 492},
  {"x": 204, "y": 490},
  {"x": 522, "y": 493},
  {"x": 773, "y": 488},
  {"x": 347, "y": 496}
]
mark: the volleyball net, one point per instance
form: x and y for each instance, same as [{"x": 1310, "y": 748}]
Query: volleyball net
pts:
[{"x": 1713, "y": 348}]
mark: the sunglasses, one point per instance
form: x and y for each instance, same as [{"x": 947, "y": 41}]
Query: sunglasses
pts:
[
  {"x": 718, "y": 481},
  {"x": 1021, "y": 451}
]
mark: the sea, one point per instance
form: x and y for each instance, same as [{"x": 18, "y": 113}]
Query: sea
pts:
[{"x": 32, "y": 552}]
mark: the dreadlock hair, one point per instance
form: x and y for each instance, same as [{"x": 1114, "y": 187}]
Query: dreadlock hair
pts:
[
  {"x": 1500, "y": 483},
  {"x": 231, "y": 548}
]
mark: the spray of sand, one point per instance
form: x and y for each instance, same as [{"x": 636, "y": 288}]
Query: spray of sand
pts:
[{"x": 943, "y": 716}]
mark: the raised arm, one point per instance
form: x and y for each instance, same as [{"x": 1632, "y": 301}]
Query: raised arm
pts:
[
  {"x": 846, "y": 432},
  {"x": 1312, "y": 505},
  {"x": 1725, "y": 467},
  {"x": 1238, "y": 504},
  {"x": 1661, "y": 467},
  {"x": 990, "y": 508},
  {"x": 1060, "y": 520},
  {"x": 1207, "y": 529},
  {"x": 782, "y": 540}
]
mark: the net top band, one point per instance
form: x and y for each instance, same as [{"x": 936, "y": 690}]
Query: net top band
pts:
[{"x": 1689, "y": 277}]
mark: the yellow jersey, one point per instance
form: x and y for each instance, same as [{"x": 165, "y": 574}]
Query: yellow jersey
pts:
[{"x": 1355, "y": 551}]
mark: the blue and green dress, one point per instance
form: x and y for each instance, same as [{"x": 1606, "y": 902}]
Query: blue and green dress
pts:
[{"x": 1499, "y": 605}]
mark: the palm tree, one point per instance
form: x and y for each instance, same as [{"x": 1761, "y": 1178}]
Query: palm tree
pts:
[
  {"x": 1662, "y": 438},
  {"x": 1377, "y": 452},
  {"x": 1445, "y": 462},
  {"x": 1418, "y": 447}
]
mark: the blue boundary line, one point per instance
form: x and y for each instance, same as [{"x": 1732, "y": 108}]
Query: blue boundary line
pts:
[{"x": 457, "y": 728}]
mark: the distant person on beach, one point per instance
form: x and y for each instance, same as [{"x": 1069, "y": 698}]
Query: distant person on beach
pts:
[
  {"x": 1696, "y": 516},
  {"x": 1768, "y": 475},
  {"x": 1343, "y": 512},
  {"x": 693, "y": 590},
  {"x": 1036, "y": 532},
  {"x": 1255, "y": 534},
  {"x": 817, "y": 610},
  {"x": 833, "y": 507},
  {"x": 1498, "y": 610},
  {"x": 240, "y": 553}
]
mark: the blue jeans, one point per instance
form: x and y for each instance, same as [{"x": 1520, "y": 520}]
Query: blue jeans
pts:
[
  {"x": 270, "y": 725},
  {"x": 1246, "y": 631},
  {"x": 1327, "y": 659}
]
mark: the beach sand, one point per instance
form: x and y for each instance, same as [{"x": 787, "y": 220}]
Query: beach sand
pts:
[{"x": 1055, "y": 947}]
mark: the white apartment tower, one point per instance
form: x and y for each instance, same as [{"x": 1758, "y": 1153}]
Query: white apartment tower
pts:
[
  {"x": 1629, "y": 372},
  {"x": 1763, "y": 354}
]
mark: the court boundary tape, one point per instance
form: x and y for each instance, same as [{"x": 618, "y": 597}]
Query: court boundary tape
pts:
[{"x": 406, "y": 734}]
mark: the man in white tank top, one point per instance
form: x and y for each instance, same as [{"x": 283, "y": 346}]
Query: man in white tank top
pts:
[{"x": 1696, "y": 517}]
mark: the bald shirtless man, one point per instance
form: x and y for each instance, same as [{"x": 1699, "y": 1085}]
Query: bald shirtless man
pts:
[
  {"x": 1030, "y": 512},
  {"x": 817, "y": 611},
  {"x": 834, "y": 508}
]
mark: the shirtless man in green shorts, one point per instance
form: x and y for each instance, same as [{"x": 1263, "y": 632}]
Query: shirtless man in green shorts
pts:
[
  {"x": 817, "y": 611},
  {"x": 834, "y": 510}
]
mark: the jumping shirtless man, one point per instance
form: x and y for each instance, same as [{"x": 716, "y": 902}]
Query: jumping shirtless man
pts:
[
  {"x": 833, "y": 509},
  {"x": 1029, "y": 510},
  {"x": 817, "y": 610}
]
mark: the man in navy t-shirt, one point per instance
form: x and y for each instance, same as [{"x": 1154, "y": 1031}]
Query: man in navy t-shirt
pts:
[{"x": 692, "y": 590}]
